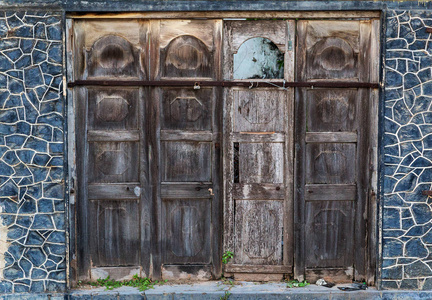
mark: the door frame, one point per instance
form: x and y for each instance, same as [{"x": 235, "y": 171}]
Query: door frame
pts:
[{"x": 71, "y": 113}]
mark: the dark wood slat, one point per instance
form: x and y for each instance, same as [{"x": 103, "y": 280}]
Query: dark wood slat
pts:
[
  {"x": 258, "y": 191},
  {"x": 331, "y": 137},
  {"x": 113, "y": 136},
  {"x": 83, "y": 246},
  {"x": 114, "y": 191},
  {"x": 185, "y": 136},
  {"x": 330, "y": 192},
  {"x": 154, "y": 161},
  {"x": 185, "y": 190},
  {"x": 251, "y": 84},
  {"x": 258, "y": 269},
  {"x": 259, "y": 137}
]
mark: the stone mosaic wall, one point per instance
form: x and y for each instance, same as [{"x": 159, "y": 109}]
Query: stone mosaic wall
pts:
[
  {"x": 407, "y": 214},
  {"x": 32, "y": 206}
]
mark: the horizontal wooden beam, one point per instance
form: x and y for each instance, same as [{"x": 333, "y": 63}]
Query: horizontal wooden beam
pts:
[
  {"x": 113, "y": 136},
  {"x": 251, "y": 191},
  {"x": 233, "y": 83},
  {"x": 205, "y": 136},
  {"x": 258, "y": 269},
  {"x": 114, "y": 191},
  {"x": 258, "y": 137},
  {"x": 186, "y": 190},
  {"x": 230, "y": 14},
  {"x": 330, "y": 192},
  {"x": 331, "y": 137}
]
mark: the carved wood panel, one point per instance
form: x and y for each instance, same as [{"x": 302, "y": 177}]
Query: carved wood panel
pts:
[
  {"x": 331, "y": 110},
  {"x": 331, "y": 163},
  {"x": 110, "y": 49},
  {"x": 113, "y": 108},
  {"x": 259, "y": 228},
  {"x": 186, "y": 109}
]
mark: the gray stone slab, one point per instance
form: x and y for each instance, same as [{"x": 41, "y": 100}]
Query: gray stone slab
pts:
[
  {"x": 58, "y": 297},
  {"x": 166, "y": 296},
  {"x": 215, "y": 290},
  {"x": 80, "y": 296},
  {"x": 130, "y": 293},
  {"x": 106, "y": 295},
  {"x": 24, "y": 297}
]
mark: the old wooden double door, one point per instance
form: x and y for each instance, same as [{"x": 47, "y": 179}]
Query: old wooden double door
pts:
[{"x": 169, "y": 177}]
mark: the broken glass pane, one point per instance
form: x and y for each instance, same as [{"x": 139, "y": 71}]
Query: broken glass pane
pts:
[{"x": 258, "y": 58}]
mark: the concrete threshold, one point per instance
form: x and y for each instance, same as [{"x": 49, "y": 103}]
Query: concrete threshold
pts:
[{"x": 218, "y": 290}]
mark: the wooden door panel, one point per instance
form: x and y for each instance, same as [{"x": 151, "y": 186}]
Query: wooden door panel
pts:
[
  {"x": 111, "y": 162},
  {"x": 332, "y": 50},
  {"x": 259, "y": 237},
  {"x": 330, "y": 242},
  {"x": 330, "y": 163},
  {"x": 259, "y": 110},
  {"x": 187, "y": 49},
  {"x": 187, "y": 230},
  {"x": 261, "y": 163},
  {"x": 186, "y": 161},
  {"x": 115, "y": 233},
  {"x": 186, "y": 56},
  {"x": 331, "y": 110},
  {"x": 113, "y": 108},
  {"x": 110, "y": 49},
  {"x": 186, "y": 109}
]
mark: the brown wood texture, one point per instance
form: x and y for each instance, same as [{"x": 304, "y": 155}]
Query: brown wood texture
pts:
[
  {"x": 111, "y": 126},
  {"x": 334, "y": 139},
  {"x": 257, "y": 166},
  {"x": 187, "y": 135},
  {"x": 230, "y": 14},
  {"x": 156, "y": 172}
]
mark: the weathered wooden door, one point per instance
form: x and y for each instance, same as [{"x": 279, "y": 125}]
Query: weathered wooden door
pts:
[
  {"x": 258, "y": 149},
  {"x": 148, "y": 157},
  {"x": 112, "y": 165},
  {"x": 334, "y": 148},
  {"x": 187, "y": 140}
]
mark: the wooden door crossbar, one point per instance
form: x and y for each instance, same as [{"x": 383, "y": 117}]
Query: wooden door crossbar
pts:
[{"x": 232, "y": 83}]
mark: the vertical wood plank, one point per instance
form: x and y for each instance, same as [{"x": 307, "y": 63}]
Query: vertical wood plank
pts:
[
  {"x": 299, "y": 176},
  {"x": 83, "y": 250},
  {"x": 290, "y": 51},
  {"x": 372, "y": 205},
  {"x": 288, "y": 205},
  {"x": 217, "y": 155},
  {"x": 154, "y": 152}
]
